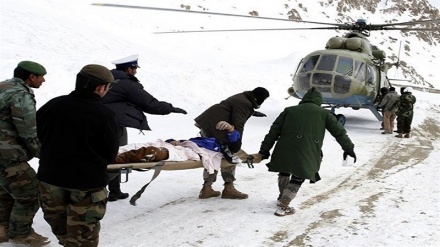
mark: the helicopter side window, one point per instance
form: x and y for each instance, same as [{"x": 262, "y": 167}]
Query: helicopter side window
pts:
[
  {"x": 359, "y": 70},
  {"x": 370, "y": 75},
  {"x": 310, "y": 63},
  {"x": 327, "y": 62},
  {"x": 345, "y": 66}
]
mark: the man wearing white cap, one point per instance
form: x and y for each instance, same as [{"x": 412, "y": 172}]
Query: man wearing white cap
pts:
[
  {"x": 128, "y": 99},
  {"x": 405, "y": 112}
]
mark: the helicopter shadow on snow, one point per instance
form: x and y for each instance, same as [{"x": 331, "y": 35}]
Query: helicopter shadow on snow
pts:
[{"x": 361, "y": 123}]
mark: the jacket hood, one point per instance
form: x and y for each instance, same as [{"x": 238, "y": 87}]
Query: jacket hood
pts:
[{"x": 312, "y": 96}]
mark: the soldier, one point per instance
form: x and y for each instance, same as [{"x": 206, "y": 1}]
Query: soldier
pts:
[
  {"x": 389, "y": 110},
  {"x": 299, "y": 134},
  {"x": 129, "y": 100},
  {"x": 380, "y": 96},
  {"x": 78, "y": 140},
  {"x": 18, "y": 145},
  {"x": 405, "y": 112},
  {"x": 225, "y": 122}
]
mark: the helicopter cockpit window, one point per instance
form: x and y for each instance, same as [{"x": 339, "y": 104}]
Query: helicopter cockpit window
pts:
[
  {"x": 345, "y": 66},
  {"x": 370, "y": 75},
  {"x": 327, "y": 62},
  {"x": 359, "y": 70},
  {"x": 310, "y": 63}
]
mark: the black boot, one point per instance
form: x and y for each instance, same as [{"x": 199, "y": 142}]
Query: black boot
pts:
[{"x": 115, "y": 189}]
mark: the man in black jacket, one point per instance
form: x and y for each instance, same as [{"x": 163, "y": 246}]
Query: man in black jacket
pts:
[
  {"x": 78, "y": 140},
  {"x": 225, "y": 122},
  {"x": 129, "y": 101}
]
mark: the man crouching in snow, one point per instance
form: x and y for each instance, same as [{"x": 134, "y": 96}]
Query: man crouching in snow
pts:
[{"x": 299, "y": 132}]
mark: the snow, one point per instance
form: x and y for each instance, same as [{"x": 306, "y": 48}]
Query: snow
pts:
[{"x": 389, "y": 197}]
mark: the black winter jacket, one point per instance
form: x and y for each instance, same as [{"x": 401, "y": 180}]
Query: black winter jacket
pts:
[
  {"x": 235, "y": 110},
  {"x": 78, "y": 140},
  {"x": 128, "y": 100}
]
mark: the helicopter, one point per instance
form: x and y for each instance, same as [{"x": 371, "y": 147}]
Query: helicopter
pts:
[{"x": 349, "y": 72}]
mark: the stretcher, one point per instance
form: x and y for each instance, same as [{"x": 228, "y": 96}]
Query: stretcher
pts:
[{"x": 158, "y": 166}]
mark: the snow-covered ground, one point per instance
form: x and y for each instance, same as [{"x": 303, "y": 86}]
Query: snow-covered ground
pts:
[{"x": 390, "y": 197}]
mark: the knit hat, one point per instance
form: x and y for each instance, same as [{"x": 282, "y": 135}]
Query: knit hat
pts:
[
  {"x": 97, "y": 72},
  {"x": 260, "y": 94},
  {"x": 384, "y": 90},
  {"x": 32, "y": 67}
]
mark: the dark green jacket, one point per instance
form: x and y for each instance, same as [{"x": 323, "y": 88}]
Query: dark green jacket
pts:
[{"x": 299, "y": 133}]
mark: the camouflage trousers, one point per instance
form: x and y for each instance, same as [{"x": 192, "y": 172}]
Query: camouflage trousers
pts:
[
  {"x": 18, "y": 197},
  {"x": 73, "y": 215},
  {"x": 404, "y": 124},
  {"x": 228, "y": 175}
]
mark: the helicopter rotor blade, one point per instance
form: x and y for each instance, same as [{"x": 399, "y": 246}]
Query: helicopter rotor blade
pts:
[
  {"x": 287, "y": 29},
  {"x": 409, "y": 29},
  {"x": 406, "y": 23},
  {"x": 248, "y": 30},
  {"x": 345, "y": 26},
  {"x": 209, "y": 13}
]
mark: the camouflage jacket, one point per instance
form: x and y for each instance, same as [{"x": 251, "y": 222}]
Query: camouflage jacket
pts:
[
  {"x": 405, "y": 105},
  {"x": 18, "y": 130}
]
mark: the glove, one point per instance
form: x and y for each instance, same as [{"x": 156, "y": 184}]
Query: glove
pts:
[
  {"x": 264, "y": 154},
  {"x": 178, "y": 110},
  {"x": 223, "y": 125},
  {"x": 258, "y": 114},
  {"x": 350, "y": 153},
  {"x": 233, "y": 136}
]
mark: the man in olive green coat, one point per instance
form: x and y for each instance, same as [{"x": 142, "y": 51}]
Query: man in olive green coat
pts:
[{"x": 299, "y": 132}]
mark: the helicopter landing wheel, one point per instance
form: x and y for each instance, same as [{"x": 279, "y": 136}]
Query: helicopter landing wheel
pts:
[{"x": 341, "y": 119}]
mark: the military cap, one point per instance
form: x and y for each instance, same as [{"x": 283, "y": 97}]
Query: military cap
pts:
[
  {"x": 32, "y": 67},
  {"x": 130, "y": 61},
  {"x": 98, "y": 72}
]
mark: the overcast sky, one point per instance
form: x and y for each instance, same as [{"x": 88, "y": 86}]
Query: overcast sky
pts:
[{"x": 436, "y": 3}]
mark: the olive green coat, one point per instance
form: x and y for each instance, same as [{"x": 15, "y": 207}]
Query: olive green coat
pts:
[{"x": 299, "y": 133}]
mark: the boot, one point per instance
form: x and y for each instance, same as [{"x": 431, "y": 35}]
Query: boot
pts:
[
  {"x": 3, "y": 235},
  {"x": 117, "y": 196},
  {"x": 34, "y": 239},
  {"x": 229, "y": 192},
  {"x": 283, "y": 181},
  {"x": 208, "y": 192},
  {"x": 399, "y": 135},
  {"x": 407, "y": 135},
  {"x": 284, "y": 210}
]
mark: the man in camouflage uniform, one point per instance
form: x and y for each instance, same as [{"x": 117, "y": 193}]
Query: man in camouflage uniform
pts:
[
  {"x": 405, "y": 112},
  {"x": 19, "y": 144},
  {"x": 78, "y": 140}
]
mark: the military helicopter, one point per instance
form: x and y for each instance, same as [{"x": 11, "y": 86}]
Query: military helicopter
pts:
[{"x": 349, "y": 72}]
